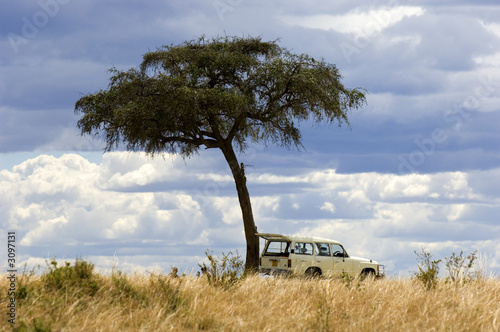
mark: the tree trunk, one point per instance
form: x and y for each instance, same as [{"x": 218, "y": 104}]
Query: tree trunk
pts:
[{"x": 252, "y": 255}]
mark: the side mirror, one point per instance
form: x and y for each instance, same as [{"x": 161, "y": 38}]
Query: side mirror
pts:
[{"x": 292, "y": 251}]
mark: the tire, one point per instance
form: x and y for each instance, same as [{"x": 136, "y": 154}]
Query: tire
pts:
[
  {"x": 313, "y": 272},
  {"x": 367, "y": 273}
]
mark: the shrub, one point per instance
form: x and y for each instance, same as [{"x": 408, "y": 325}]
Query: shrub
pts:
[
  {"x": 125, "y": 291},
  {"x": 224, "y": 271},
  {"x": 428, "y": 269},
  {"x": 160, "y": 288},
  {"x": 460, "y": 268},
  {"x": 79, "y": 277},
  {"x": 168, "y": 290},
  {"x": 347, "y": 279}
]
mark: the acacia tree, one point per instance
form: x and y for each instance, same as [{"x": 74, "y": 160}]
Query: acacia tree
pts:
[{"x": 220, "y": 93}]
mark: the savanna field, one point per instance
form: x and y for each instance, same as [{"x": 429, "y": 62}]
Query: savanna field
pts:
[{"x": 76, "y": 298}]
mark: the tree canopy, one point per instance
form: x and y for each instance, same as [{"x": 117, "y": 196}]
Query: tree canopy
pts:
[{"x": 217, "y": 93}]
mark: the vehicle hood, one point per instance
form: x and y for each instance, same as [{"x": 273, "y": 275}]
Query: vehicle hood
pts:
[{"x": 364, "y": 260}]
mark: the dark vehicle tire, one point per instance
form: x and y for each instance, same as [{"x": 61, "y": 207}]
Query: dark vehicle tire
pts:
[
  {"x": 367, "y": 273},
  {"x": 313, "y": 272}
]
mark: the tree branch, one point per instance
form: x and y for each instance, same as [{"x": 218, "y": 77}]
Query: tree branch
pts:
[
  {"x": 197, "y": 141},
  {"x": 236, "y": 125},
  {"x": 170, "y": 139}
]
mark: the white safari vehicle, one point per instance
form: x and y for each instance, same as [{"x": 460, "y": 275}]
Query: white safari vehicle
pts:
[{"x": 312, "y": 256}]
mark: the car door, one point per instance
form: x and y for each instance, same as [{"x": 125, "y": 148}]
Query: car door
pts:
[
  {"x": 323, "y": 257},
  {"x": 303, "y": 257},
  {"x": 276, "y": 251},
  {"x": 341, "y": 262}
]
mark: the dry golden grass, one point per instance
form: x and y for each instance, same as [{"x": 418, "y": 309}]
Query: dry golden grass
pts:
[{"x": 160, "y": 303}]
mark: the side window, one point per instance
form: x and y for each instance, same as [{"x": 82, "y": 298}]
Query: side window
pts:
[
  {"x": 303, "y": 248},
  {"x": 337, "y": 250},
  {"x": 323, "y": 249},
  {"x": 278, "y": 248}
]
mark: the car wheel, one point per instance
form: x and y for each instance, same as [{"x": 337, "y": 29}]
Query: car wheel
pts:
[
  {"x": 368, "y": 273},
  {"x": 313, "y": 272}
]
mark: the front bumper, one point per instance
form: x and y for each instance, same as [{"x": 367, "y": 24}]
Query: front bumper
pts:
[{"x": 381, "y": 271}]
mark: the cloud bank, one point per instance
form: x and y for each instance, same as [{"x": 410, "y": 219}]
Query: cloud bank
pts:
[{"x": 146, "y": 213}]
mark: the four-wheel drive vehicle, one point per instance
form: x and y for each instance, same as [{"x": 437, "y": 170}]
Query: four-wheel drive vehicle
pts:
[{"x": 286, "y": 254}]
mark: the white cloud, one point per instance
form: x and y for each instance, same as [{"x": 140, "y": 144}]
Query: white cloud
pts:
[
  {"x": 491, "y": 60},
  {"x": 66, "y": 205},
  {"x": 408, "y": 41},
  {"x": 455, "y": 211},
  {"x": 328, "y": 206},
  {"x": 44, "y": 229},
  {"x": 229, "y": 209},
  {"x": 356, "y": 21},
  {"x": 121, "y": 227},
  {"x": 265, "y": 206},
  {"x": 492, "y": 27},
  {"x": 274, "y": 178}
]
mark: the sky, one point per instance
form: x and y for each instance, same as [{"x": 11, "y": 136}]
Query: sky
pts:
[{"x": 419, "y": 166}]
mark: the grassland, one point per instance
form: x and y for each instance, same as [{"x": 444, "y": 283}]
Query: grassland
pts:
[{"x": 65, "y": 300}]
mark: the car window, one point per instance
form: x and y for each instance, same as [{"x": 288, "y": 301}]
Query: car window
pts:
[
  {"x": 303, "y": 248},
  {"x": 338, "y": 251},
  {"x": 278, "y": 248},
  {"x": 323, "y": 249}
]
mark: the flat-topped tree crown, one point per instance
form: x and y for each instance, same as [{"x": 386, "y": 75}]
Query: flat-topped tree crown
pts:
[{"x": 217, "y": 93}]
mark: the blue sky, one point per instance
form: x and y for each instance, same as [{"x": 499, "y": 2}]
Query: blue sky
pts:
[{"x": 419, "y": 166}]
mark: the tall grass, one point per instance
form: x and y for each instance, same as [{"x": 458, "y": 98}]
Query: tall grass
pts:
[{"x": 156, "y": 302}]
